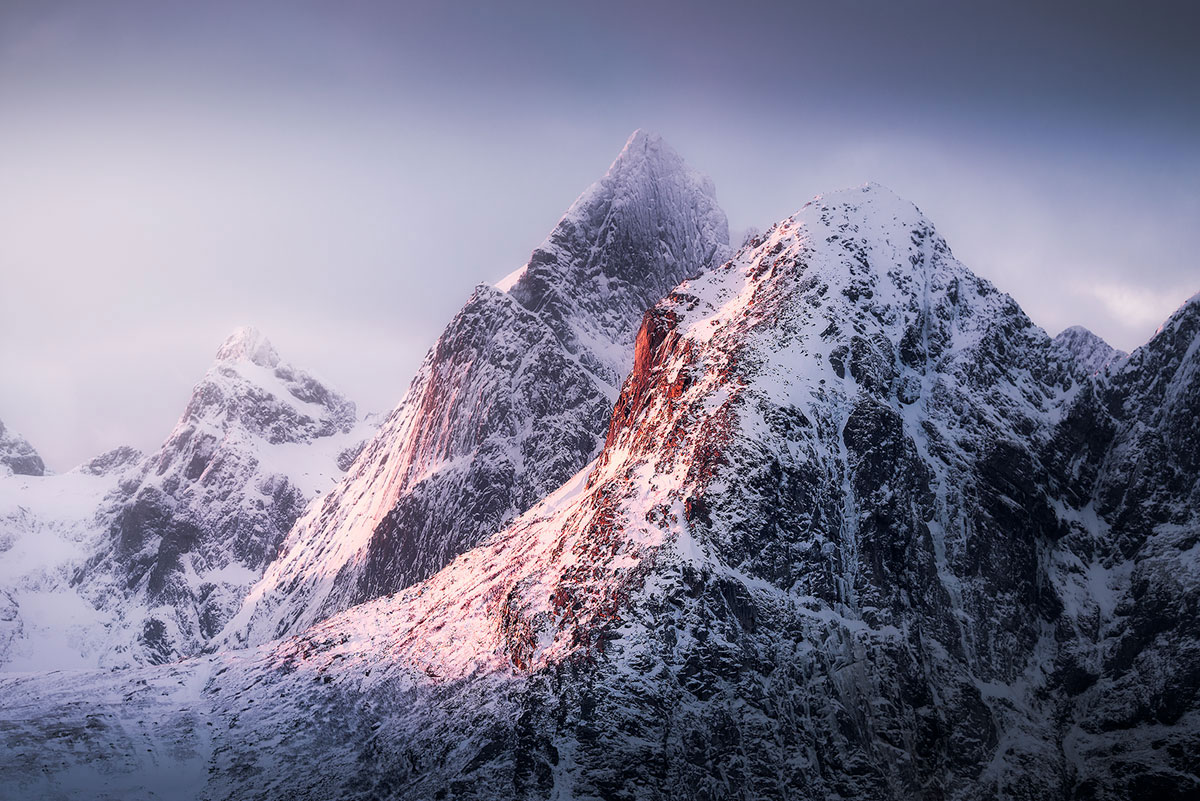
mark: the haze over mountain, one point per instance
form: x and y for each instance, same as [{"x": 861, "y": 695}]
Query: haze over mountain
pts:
[
  {"x": 173, "y": 170},
  {"x": 132, "y": 559}
]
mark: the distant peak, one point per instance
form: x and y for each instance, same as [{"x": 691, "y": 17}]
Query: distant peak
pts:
[
  {"x": 1076, "y": 332},
  {"x": 643, "y": 139},
  {"x": 250, "y": 344},
  {"x": 645, "y": 147},
  {"x": 1088, "y": 348},
  {"x": 18, "y": 456}
]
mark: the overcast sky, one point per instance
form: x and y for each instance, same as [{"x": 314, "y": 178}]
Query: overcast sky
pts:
[{"x": 341, "y": 174}]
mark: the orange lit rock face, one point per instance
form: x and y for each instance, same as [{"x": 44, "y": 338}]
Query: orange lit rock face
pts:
[{"x": 514, "y": 398}]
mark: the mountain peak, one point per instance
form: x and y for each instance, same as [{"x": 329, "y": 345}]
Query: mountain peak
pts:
[
  {"x": 648, "y": 156},
  {"x": 873, "y": 200},
  {"x": 1088, "y": 349},
  {"x": 17, "y": 455},
  {"x": 250, "y": 344},
  {"x": 650, "y": 222},
  {"x": 642, "y": 143}
]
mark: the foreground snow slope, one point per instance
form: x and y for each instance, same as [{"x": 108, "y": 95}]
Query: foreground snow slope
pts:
[
  {"x": 128, "y": 560},
  {"x": 851, "y": 535},
  {"x": 511, "y": 401}
]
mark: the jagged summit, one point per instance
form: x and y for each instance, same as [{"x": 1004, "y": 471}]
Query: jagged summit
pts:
[
  {"x": 248, "y": 343},
  {"x": 17, "y": 456},
  {"x": 1089, "y": 350},
  {"x": 646, "y": 225},
  {"x": 270, "y": 398},
  {"x": 512, "y": 399},
  {"x": 639, "y": 142},
  {"x": 195, "y": 526}
]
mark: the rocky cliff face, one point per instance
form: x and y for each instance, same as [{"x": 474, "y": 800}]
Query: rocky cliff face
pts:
[
  {"x": 188, "y": 536},
  {"x": 153, "y": 555},
  {"x": 17, "y": 456},
  {"x": 511, "y": 401},
  {"x": 1129, "y": 661},
  {"x": 859, "y": 529}
]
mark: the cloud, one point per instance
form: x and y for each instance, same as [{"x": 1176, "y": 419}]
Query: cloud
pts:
[{"x": 1133, "y": 305}]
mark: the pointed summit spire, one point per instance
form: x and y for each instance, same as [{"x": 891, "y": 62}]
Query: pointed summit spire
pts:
[
  {"x": 650, "y": 222},
  {"x": 250, "y": 344},
  {"x": 647, "y": 157},
  {"x": 642, "y": 144},
  {"x": 512, "y": 400}
]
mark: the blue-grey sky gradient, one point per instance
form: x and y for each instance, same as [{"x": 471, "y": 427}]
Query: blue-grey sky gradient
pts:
[{"x": 341, "y": 174}]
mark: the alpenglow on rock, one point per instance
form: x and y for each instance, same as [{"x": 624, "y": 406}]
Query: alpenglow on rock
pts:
[
  {"x": 190, "y": 531},
  {"x": 840, "y": 542},
  {"x": 511, "y": 401}
]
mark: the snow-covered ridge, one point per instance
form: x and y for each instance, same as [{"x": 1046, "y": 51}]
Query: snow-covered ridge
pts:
[
  {"x": 1092, "y": 352},
  {"x": 512, "y": 399},
  {"x": 17, "y": 456},
  {"x": 154, "y": 552}
]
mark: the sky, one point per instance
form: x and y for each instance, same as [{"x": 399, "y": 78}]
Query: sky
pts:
[{"x": 341, "y": 174}]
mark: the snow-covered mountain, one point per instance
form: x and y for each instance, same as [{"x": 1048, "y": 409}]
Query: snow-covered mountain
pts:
[
  {"x": 48, "y": 527},
  {"x": 1092, "y": 352},
  {"x": 17, "y": 456},
  {"x": 1131, "y": 661},
  {"x": 512, "y": 400},
  {"x": 131, "y": 560},
  {"x": 859, "y": 529}
]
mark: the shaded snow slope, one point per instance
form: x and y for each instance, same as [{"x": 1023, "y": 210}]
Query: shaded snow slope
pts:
[
  {"x": 1134, "y": 655},
  {"x": 511, "y": 401},
  {"x": 48, "y": 526}
]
